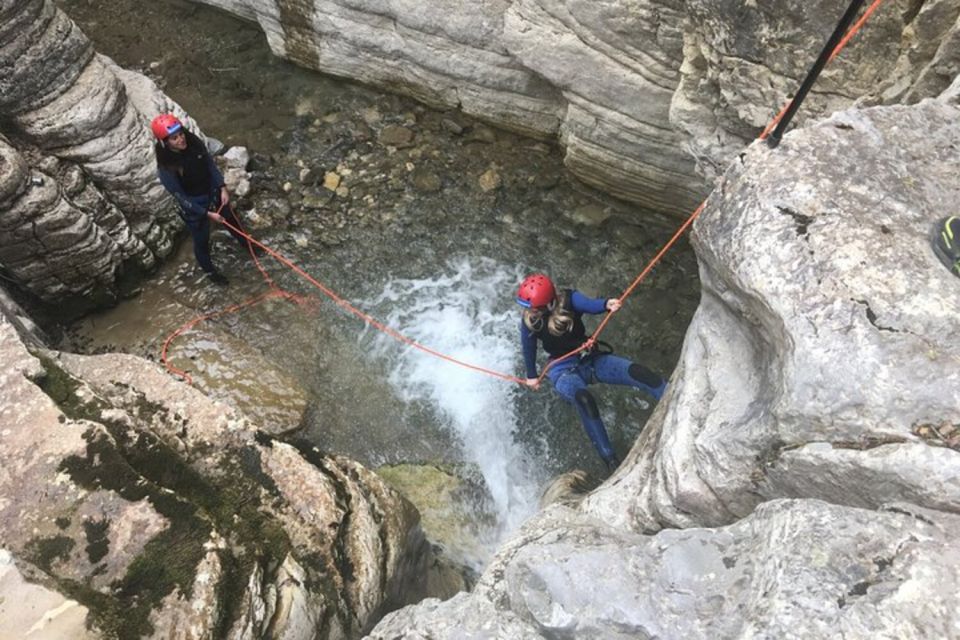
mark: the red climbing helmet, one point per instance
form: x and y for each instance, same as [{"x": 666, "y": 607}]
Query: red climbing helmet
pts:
[
  {"x": 536, "y": 290},
  {"x": 165, "y": 124}
]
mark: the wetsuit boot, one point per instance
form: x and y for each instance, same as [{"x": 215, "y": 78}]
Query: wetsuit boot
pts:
[{"x": 593, "y": 425}]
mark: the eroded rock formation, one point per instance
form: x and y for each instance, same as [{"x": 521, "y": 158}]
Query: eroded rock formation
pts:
[
  {"x": 792, "y": 569},
  {"x": 79, "y": 200},
  {"x": 826, "y": 335},
  {"x": 166, "y": 514},
  {"x": 815, "y": 402},
  {"x": 651, "y": 98}
]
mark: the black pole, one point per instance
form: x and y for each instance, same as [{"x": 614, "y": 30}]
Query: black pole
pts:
[{"x": 774, "y": 138}]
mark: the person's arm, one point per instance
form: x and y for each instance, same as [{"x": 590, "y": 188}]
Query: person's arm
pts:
[
  {"x": 529, "y": 343},
  {"x": 192, "y": 211},
  {"x": 583, "y": 304}
]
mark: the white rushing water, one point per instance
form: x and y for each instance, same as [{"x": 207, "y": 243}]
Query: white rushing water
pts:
[{"x": 467, "y": 313}]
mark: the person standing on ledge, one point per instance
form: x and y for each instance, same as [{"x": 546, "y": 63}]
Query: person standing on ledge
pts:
[
  {"x": 187, "y": 171},
  {"x": 556, "y": 321}
]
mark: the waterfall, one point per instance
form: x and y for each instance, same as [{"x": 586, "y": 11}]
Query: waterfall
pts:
[{"x": 467, "y": 313}]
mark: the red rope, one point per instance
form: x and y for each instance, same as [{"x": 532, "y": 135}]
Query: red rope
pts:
[{"x": 277, "y": 292}]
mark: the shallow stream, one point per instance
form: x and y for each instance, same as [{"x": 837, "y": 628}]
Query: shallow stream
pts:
[{"x": 415, "y": 240}]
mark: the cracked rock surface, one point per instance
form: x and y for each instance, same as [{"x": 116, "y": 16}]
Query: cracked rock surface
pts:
[
  {"x": 159, "y": 513},
  {"x": 826, "y": 335},
  {"x": 792, "y": 569}
]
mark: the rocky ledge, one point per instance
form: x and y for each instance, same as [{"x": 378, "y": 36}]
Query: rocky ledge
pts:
[
  {"x": 801, "y": 478},
  {"x": 651, "y": 98},
  {"x": 157, "y": 512}
]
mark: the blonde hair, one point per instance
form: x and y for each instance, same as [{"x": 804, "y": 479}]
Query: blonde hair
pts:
[{"x": 557, "y": 318}]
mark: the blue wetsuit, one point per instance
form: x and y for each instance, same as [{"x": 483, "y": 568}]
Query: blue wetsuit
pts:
[
  {"x": 572, "y": 375},
  {"x": 196, "y": 185}
]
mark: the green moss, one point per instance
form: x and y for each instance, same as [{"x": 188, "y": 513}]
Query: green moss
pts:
[
  {"x": 168, "y": 560},
  {"x": 62, "y": 389},
  {"x": 43, "y": 552},
  {"x": 98, "y": 543},
  {"x": 138, "y": 465},
  {"x": 62, "y": 523}
]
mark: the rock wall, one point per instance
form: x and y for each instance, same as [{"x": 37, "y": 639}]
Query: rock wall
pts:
[
  {"x": 651, "y": 98},
  {"x": 825, "y": 341},
  {"x": 815, "y": 402},
  {"x": 157, "y": 512},
  {"x": 79, "y": 199},
  {"x": 792, "y": 569}
]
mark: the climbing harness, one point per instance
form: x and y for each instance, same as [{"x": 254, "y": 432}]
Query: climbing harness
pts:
[{"x": 773, "y": 131}]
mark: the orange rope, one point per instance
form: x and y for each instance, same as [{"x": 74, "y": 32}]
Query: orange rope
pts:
[
  {"x": 591, "y": 341},
  {"x": 276, "y": 291},
  {"x": 342, "y": 303}
]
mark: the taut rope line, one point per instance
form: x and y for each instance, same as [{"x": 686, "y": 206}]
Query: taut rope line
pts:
[{"x": 277, "y": 292}]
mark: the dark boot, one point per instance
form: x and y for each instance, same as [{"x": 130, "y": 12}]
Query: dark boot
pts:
[
  {"x": 612, "y": 463},
  {"x": 218, "y": 278}
]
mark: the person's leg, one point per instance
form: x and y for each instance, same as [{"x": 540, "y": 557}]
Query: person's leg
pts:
[
  {"x": 612, "y": 369},
  {"x": 200, "y": 232},
  {"x": 573, "y": 388}
]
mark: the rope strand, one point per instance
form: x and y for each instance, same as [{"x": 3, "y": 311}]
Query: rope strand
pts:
[{"x": 277, "y": 292}]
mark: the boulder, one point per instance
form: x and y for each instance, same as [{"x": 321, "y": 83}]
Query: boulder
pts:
[
  {"x": 792, "y": 569},
  {"x": 826, "y": 333},
  {"x": 166, "y": 514}
]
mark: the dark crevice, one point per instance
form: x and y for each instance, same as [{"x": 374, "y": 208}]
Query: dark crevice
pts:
[
  {"x": 872, "y": 317},
  {"x": 803, "y": 221},
  {"x": 341, "y": 556},
  {"x": 917, "y": 516}
]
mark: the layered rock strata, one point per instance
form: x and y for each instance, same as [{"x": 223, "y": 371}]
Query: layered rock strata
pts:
[
  {"x": 651, "y": 98},
  {"x": 165, "y": 514},
  {"x": 78, "y": 191}
]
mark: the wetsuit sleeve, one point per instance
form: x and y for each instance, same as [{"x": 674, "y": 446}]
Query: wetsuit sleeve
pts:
[
  {"x": 192, "y": 211},
  {"x": 216, "y": 178},
  {"x": 529, "y": 343},
  {"x": 583, "y": 304}
]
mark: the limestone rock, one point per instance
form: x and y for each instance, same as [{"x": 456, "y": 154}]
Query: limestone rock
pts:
[
  {"x": 394, "y": 135},
  {"x": 237, "y": 158},
  {"x": 26, "y": 607},
  {"x": 651, "y": 98},
  {"x": 797, "y": 569},
  {"x": 490, "y": 180},
  {"x": 60, "y": 101},
  {"x": 825, "y": 336},
  {"x": 149, "y": 504}
]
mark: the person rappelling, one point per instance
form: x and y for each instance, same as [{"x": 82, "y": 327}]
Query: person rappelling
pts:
[
  {"x": 187, "y": 171},
  {"x": 555, "y": 320}
]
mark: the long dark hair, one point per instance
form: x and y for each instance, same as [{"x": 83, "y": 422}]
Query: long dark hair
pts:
[{"x": 173, "y": 160}]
